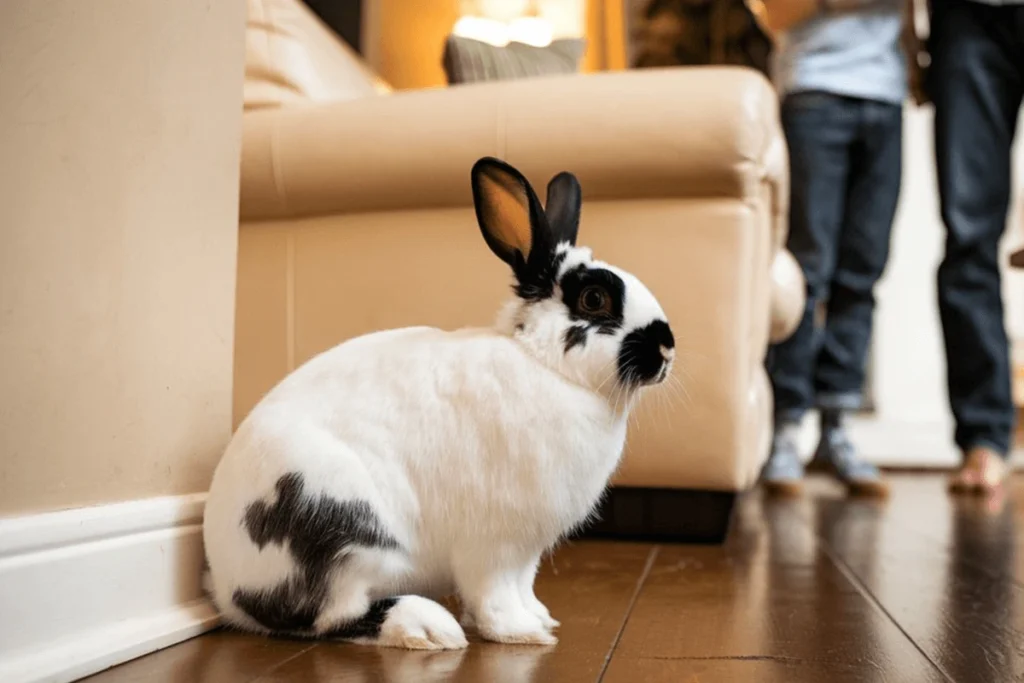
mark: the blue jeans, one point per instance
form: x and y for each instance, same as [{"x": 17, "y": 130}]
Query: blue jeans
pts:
[
  {"x": 845, "y": 161},
  {"x": 976, "y": 81}
]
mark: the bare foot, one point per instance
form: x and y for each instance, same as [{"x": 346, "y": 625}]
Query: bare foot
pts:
[{"x": 983, "y": 472}]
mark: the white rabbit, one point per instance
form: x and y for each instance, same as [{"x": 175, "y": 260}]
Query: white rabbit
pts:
[{"x": 420, "y": 462}]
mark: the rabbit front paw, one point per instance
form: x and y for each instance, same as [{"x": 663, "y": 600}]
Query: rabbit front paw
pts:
[
  {"x": 537, "y": 608},
  {"x": 502, "y": 607},
  {"x": 524, "y": 629},
  {"x": 510, "y": 622}
]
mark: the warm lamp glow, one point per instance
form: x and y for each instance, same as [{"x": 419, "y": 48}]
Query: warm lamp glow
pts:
[
  {"x": 480, "y": 28},
  {"x": 534, "y": 22},
  {"x": 529, "y": 30}
]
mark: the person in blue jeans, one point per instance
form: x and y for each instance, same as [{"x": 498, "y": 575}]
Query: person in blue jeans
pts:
[
  {"x": 976, "y": 82},
  {"x": 842, "y": 79}
]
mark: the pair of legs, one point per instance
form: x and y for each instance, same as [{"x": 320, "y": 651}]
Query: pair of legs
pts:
[
  {"x": 498, "y": 600},
  {"x": 846, "y": 162},
  {"x": 976, "y": 81}
]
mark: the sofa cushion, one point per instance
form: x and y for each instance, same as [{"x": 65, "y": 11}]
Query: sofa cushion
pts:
[
  {"x": 470, "y": 61},
  {"x": 293, "y": 58}
]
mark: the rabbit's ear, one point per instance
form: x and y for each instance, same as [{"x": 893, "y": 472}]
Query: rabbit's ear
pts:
[
  {"x": 508, "y": 211},
  {"x": 563, "y": 208}
]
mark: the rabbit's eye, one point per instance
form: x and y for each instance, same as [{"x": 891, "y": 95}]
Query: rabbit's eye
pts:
[{"x": 594, "y": 300}]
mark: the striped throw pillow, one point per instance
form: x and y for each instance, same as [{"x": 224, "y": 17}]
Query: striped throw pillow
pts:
[{"x": 471, "y": 61}]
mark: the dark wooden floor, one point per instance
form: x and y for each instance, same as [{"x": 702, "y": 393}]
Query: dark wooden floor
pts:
[{"x": 819, "y": 589}]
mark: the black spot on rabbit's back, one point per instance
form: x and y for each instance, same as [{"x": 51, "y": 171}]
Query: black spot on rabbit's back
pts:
[
  {"x": 316, "y": 527},
  {"x": 317, "y": 530}
]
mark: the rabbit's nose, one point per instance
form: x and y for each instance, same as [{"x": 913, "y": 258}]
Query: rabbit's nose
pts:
[{"x": 667, "y": 354}]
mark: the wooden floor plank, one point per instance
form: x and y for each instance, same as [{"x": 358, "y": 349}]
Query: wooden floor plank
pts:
[
  {"x": 824, "y": 588},
  {"x": 769, "y": 606},
  {"x": 218, "y": 657},
  {"x": 987, "y": 531},
  {"x": 940, "y": 567},
  {"x": 587, "y": 586}
]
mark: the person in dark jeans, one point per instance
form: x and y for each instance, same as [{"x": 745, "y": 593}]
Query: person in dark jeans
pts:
[
  {"x": 843, "y": 80},
  {"x": 976, "y": 82}
]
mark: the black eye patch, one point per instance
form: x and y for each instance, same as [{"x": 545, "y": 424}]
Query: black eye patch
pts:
[{"x": 580, "y": 279}]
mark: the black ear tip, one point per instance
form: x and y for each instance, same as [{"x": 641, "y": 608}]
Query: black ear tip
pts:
[
  {"x": 483, "y": 162},
  {"x": 489, "y": 163},
  {"x": 494, "y": 168},
  {"x": 566, "y": 183},
  {"x": 479, "y": 168}
]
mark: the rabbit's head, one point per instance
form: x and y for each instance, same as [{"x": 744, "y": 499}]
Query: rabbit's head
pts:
[{"x": 596, "y": 324}]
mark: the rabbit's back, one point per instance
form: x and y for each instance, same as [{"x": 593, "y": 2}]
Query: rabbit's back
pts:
[{"x": 432, "y": 426}]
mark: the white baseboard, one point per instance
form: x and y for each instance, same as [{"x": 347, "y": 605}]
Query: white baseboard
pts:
[{"x": 84, "y": 589}]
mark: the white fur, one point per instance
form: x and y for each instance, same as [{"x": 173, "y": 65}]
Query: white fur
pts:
[{"x": 478, "y": 449}]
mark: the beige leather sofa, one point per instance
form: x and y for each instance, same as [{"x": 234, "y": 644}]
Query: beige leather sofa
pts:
[{"x": 356, "y": 216}]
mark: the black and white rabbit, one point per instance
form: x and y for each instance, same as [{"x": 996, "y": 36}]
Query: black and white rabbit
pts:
[{"x": 420, "y": 462}]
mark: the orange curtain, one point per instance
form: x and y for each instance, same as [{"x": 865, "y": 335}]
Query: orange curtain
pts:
[
  {"x": 409, "y": 40},
  {"x": 606, "y": 36}
]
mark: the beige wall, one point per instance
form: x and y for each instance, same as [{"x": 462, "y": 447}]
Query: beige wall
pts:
[{"x": 119, "y": 145}]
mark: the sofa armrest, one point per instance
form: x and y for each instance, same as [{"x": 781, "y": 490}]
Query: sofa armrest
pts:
[{"x": 664, "y": 133}]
